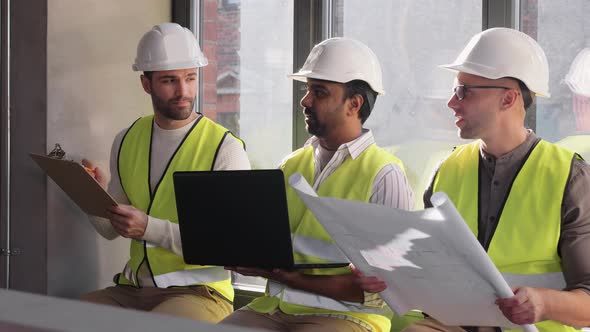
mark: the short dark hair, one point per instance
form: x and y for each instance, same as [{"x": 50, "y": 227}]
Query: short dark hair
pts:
[
  {"x": 527, "y": 95},
  {"x": 148, "y": 74},
  {"x": 362, "y": 88}
]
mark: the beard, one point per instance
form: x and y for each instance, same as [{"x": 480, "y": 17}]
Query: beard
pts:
[
  {"x": 312, "y": 125},
  {"x": 170, "y": 110}
]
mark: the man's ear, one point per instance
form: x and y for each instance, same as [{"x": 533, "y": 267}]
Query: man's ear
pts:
[
  {"x": 509, "y": 99},
  {"x": 355, "y": 103},
  {"x": 146, "y": 84}
]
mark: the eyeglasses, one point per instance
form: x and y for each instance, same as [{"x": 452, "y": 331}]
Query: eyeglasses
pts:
[{"x": 461, "y": 90}]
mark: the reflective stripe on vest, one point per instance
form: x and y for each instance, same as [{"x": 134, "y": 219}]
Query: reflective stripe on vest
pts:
[
  {"x": 312, "y": 244},
  {"x": 191, "y": 277},
  {"x": 196, "y": 152},
  {"x": 205, "y": 275},
  {"x": 553, "y": 280},
  {"x": 523, "y": 248},
  {"x": 296, "y": 296}
]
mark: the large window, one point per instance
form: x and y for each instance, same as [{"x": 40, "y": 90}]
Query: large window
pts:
[
  {"x": 564, "y": 116},
  {"x": 411, "y": 38},
  {"x": 249, "y": 45},
  {"x": 245, "y": 87}
]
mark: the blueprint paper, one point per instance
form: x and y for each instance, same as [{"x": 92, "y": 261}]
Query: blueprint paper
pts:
[{"x": 429, "y": 259}]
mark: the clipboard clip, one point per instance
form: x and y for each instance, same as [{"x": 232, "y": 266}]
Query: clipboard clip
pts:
[{"x": 57, "y": 152}]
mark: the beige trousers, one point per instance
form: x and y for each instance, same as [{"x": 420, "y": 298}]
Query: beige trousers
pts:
[
  {"x": 195, "y": 302},
  {"x": 279, "y": 321}
]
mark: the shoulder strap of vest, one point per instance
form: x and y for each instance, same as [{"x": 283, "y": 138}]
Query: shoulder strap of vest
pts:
[
  {"x": 214, "y": 124},
  {"x": 236, "y": 137}
]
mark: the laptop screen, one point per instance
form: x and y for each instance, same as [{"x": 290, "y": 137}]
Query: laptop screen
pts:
[{"x": 234, "y": 218}]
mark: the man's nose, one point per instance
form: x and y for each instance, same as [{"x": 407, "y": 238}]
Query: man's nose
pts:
[
  {"x": 306, "y": 100},
  {"x": 182, "y": 89},
  {"x": 453, "y": 102}
]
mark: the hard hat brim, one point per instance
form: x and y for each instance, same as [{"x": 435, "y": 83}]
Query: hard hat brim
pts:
[
  {"x": 302, "y": 76},
  {"x": 169, "y": 66},
  {"x": 575, "y": 88},
  {"x": 482, "y": 71}
]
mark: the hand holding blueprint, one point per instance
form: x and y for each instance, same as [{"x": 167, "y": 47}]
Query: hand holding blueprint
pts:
[{"x": 429, "y": 259}]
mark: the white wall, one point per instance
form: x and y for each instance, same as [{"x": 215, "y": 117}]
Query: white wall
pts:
[{"x": 92, "y": 94}]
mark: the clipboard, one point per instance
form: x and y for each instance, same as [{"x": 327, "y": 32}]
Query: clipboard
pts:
[{"x": 75, "y": 181}]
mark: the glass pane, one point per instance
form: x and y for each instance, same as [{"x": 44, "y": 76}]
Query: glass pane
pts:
[
  {"x": 565, "y": 117},
  {"x": 249, "y": 45},
  {"x": 411, "y": 38}
]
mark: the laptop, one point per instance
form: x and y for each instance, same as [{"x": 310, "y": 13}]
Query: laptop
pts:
[{"x": 236, "y": 218}]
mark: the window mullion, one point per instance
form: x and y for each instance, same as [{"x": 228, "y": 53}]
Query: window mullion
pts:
[
  {"x": 308, "y": 30},
  {"x": 499, "y": 13}
]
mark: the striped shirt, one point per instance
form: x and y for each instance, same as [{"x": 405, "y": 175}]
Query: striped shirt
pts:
[{"x": 390, "y": 188}]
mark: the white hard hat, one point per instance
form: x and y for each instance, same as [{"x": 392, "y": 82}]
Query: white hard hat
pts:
[
  {"x": 342, "y": 60},
  {"x": 578, "y": 77},
  {"x": 168, "y": 46},
  {"x": 503, "y": 52}
]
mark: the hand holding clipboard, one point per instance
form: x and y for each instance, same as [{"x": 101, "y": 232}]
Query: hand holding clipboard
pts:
[{"x": 76, "y": 181}]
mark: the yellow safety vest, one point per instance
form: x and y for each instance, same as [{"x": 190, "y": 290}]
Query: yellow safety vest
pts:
[
  {"x": 196, "y": 152},
  {"x": 526, "y": 238},
  {"x": 353, "y": 180}
]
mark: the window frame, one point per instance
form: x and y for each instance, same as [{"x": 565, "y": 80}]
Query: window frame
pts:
[{"x": 314, "y": 24}]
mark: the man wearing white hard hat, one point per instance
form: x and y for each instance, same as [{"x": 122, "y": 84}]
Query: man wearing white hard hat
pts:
[
  {"x": 578, "y": 80},
  {"x": 525, "y": 199},
  {"x": 341, "y": 159},
  {"x": 143, "y": 159}
]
